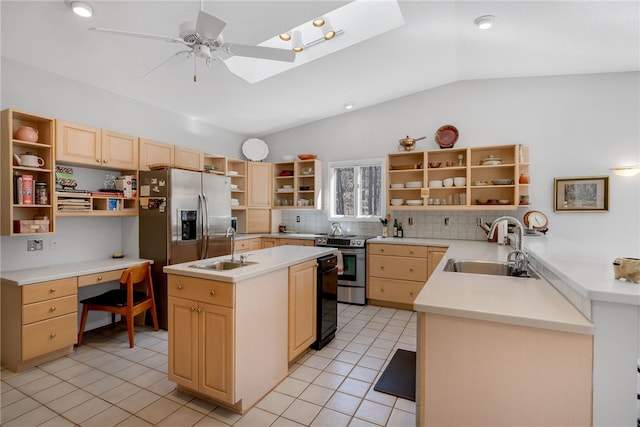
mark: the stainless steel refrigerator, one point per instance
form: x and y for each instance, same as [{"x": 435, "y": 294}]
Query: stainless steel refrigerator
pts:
[{"x": 183, "y": 217}]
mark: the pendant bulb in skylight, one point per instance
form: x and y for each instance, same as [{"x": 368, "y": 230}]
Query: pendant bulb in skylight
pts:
[
  {"x": 296, "y": 43},
  {"x": 81, "y": 9},
  {"x": 327, "y": 30},
  {"x": 484, "y": 22},
  {"x": 285, "y": 37}
]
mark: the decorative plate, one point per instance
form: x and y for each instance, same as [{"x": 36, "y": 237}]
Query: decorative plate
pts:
[
  {"x": 446, "y": 136},
  {"x": 255, "y": 149}
]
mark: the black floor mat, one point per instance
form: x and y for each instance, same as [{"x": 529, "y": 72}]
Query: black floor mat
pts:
[{"x": 399, "y": 377}]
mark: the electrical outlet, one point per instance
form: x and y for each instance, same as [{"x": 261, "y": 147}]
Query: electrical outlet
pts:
[
  {"x": 53, "y": 244},
  {"x": 446, "y": 220},
  {"x": 34, "y": 245},
  {"x": 479, "y": 221},
  {"x": 298, "y": 218}
]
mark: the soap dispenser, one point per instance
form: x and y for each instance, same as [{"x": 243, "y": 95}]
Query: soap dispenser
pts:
[{"x": 503, "y": 230}]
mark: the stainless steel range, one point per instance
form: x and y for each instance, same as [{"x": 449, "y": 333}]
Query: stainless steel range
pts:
[{"x": 352, "y": 281}]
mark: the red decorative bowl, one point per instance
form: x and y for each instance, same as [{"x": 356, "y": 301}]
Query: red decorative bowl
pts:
[{"x": 307, "y": 156}]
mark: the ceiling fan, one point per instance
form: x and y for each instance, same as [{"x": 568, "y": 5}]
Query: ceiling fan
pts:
[{"x": 205, "y": 41}]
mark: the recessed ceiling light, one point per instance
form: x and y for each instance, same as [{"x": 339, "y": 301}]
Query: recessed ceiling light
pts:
[
  {"x": 349, "y": 106},
  {"x": 285, "y": 37},
  {"x": 318, "y": 22},
  {"x": 484, "y": 22},
  {"x": 81, "y": 9}
]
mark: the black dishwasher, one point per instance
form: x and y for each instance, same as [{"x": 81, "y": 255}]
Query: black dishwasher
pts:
[{"x": 327, "y": 301}]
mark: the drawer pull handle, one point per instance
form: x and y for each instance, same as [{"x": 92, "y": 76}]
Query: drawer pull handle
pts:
[
  {"x": 193, "y": 309},
  {"x": 52, "y": 308},
  {"x": 99, "y": 278},
  {"x": 382, "y": 290},
  {"x": 411, "y": 270},
  {"x": 213, "y": 293},
  {"x": 411, "y": 252},
  {"x": 52, "y": 290},
  {"x": 381, "y": 250},
  {"x": 53, "y": 335},
  {"x": 382, "y": 267},
  {"x": 179, "y": 287}
]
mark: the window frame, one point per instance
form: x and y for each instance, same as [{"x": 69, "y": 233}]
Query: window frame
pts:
[{"x": 357, "y": 164}]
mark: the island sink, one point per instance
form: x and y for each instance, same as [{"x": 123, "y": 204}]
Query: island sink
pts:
[
  {"x": 223, "y": 265},
  {"x": 495, "y": 268}
]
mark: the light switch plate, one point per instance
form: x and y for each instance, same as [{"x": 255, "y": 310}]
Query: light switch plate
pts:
[{"x": 34, "y": 245}]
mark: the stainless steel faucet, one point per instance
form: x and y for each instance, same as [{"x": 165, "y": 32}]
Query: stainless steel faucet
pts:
[
  {"x": 232, "y": 232},
  {"x": 518, "y": 256}
]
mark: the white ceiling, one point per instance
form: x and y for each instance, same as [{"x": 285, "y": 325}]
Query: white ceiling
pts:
[{"x": 438, "y": 44}]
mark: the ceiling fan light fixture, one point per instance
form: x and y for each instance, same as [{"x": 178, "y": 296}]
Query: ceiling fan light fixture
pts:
[
  {"x": 81, "y": 9},
  {"x": 285, "y": 37},
  {"x": 484, "y": 22},
  {"x": 296, "y": 44}
]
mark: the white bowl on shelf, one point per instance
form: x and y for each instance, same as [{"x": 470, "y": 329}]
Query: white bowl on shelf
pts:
[
  {"x": 447, "y": 182},
  {"x": 413, "y": 184},
  {"x": 435, "y": 183},
  {"x": 459, "y": 181},
  {"x": 397, "y": 185},
  {"x": 417, "y": 202},
  {"x": 396, "y": 202}
]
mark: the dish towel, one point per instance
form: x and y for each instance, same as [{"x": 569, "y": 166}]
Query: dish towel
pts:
[{"x": 340, "y": 263}]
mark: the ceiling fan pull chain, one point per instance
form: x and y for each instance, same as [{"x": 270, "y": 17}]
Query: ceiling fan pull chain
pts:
[{"x": 195, "y": 64}]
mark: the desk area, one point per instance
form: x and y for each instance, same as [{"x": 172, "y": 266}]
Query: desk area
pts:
[{"x": 39, "y": 308}]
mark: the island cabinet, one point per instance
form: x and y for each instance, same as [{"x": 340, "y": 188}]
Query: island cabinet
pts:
[
  {"x": 85, "y": 145},
  {"x": 503, "y": 374},
  {"x": 302, "y": 307},
  {"x": 247, "y": 245},
  {"x": 397, "y": 274},
  {"x": 228, "y": 341},
  {"x": 39, "y": 322}
]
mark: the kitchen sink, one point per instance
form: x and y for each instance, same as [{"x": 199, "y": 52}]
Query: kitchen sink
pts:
[
  {"x": 494, "y": 268},
  {"x": 223, "y": 265}
]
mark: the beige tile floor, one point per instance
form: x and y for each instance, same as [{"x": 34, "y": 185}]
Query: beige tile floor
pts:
[{"x": 105, "y": 383}]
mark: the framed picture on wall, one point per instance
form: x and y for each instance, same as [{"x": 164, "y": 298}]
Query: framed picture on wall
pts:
[{"x": 581, "y": 194}]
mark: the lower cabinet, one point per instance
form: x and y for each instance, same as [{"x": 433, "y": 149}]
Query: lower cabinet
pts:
[
  {"x": 248, "y": 245},
  {"x": 201, "y": 355},
  {"x": 268, "y": 242},
  {"x": 296, "y": 242},
  {"x": 397, "y": 273},
  {"x": 39, "y": 322},
  {"x": 302, "y": 307}
]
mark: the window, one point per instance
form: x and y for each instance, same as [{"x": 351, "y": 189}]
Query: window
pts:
[{"x": 357, "y": 189}]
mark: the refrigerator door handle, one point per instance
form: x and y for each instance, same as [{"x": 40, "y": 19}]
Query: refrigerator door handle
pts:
[
  {"x": 203, "y": 244},
  {"x": 206, "y": 221}
]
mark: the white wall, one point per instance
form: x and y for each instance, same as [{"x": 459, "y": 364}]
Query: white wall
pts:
[{"x": 575, "y": 126}]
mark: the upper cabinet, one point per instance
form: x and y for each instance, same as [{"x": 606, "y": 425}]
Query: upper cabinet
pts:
[
  {"x": 258, "y": 185},
  {"x": 487, "y": 178},
  {"x": 297, "y": 185},
  {"x": 154, "y": 153},
  {"x": 186, "y": 158},
  {"x": 27, "y": 167},
  {"x": 84, "y": 145}
]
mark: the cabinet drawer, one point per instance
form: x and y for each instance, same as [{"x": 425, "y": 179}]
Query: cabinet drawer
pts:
[
  {"x": 247, "y": 245},
  {"x": 399, "y": 250},
  {"x": 394, "y": 290},
  {"x": 398, "y": 268},
  {"x": 102, "y": 277},
  {"x": 49, "y": 335},
  {"x": 47, "y": 290},
  {"x": 49, "y": 309},
  {"x": 209, "y": 291}
]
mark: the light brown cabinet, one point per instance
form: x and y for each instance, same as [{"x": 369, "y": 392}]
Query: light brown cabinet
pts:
[
  {"x": 258, "y": 185},
  {"x": 434, "y": 256},
  {"x": 297, "y": 185},
  {"x": 84, "y": 145},
  {"x": 201, "y": 355},
  {"x": 302, "y": 307},
  {"x": 39, "y": 322},
  {"x": 13, "y": 207},
  {"x": 296, "y": 242},
  {"x": 186, "y": 158},
  {"x": 247, "y": 245},
  {"x": 491, "y": 178},
  {"x": 268, "y": 242},
  {"x": 154, "y": 153}
]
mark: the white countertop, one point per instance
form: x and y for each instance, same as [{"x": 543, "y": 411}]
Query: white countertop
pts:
[
  {"x": 270, "y": 259},
  {"x": 62, "y": 271}
]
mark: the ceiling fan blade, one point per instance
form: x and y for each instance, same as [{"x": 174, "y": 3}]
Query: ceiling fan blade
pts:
[
  {"x": 139, "y": 35},
  {"x": 209, "y": 26},
  {"x": 182, "y": 52},
  {"x": 261, "y": 52}
]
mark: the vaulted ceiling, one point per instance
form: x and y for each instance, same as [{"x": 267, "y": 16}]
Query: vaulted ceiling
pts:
[{"x": 438, "y": 44}]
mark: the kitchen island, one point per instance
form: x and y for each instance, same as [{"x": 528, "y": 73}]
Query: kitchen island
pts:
[{"x": 232, "y": 333}]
